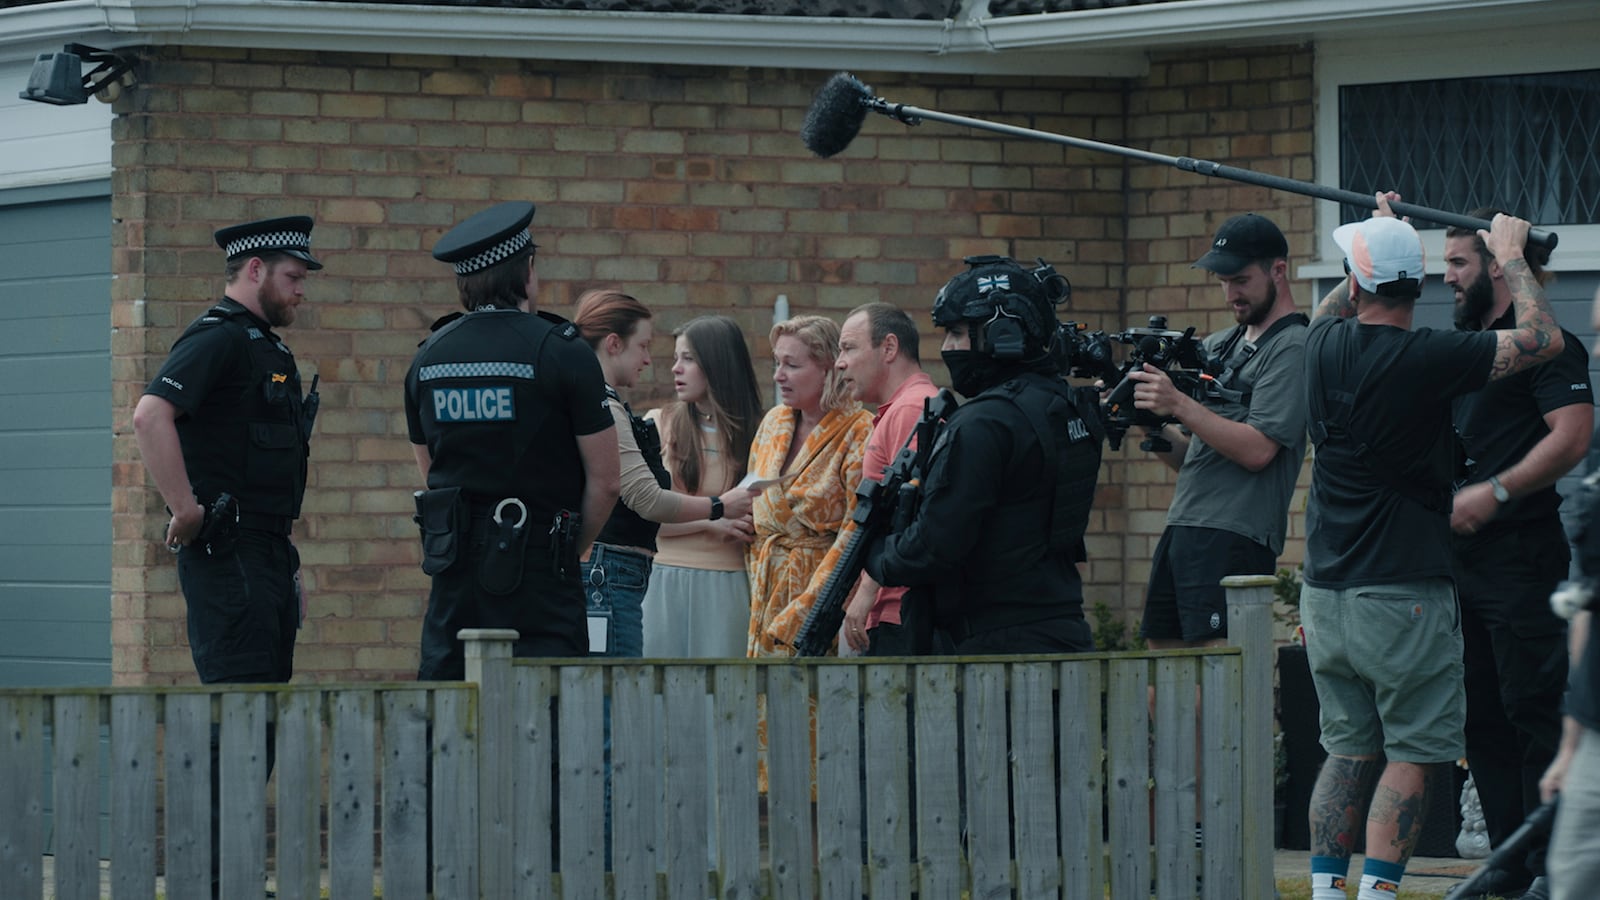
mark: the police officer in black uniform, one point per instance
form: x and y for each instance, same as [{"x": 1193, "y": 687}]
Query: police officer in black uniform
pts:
[
  {"x": 507, "y": 416},
  {"x": 994, "y": 546},
  {"x": 224, "y": 432}
]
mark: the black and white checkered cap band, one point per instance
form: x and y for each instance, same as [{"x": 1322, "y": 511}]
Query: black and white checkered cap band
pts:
[
  {"x": 271, "y": 240},
  {"x": 498, "y": 252},
  {"x": 440, "y": 371}
]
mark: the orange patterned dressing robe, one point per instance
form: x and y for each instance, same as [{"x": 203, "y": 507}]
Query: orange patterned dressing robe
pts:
[{"x": 803, "y": 526}]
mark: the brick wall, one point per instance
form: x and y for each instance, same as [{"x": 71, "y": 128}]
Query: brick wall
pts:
[{"x": 685, "y": 186}]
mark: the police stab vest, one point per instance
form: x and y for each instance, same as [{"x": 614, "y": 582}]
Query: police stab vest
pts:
[
  {"x": 252, "y": 445},
  {"x": 1064, "y": 421}
]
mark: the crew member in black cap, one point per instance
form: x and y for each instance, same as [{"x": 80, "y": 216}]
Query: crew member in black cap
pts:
[
  {"x": 224, "y": 431},
  {"x": 1237, "y": 450},
  {"x": 508, "y": 419}
]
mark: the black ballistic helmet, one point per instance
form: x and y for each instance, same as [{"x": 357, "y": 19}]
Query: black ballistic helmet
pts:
[{"x": 1009, "y": 310}]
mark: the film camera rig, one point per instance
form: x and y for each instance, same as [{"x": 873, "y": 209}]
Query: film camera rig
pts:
[{"x": 1088, "y": 354}]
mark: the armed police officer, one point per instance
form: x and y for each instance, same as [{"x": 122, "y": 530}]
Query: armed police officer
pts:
[
  {"x": 224, "y": 432},
  {"x": 507, "y": 415},
  {"x": 993, "y": 548}
]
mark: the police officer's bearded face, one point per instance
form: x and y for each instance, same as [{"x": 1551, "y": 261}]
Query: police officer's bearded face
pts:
[
  {"x": 281, "y": 290},
  {"x": 861, "y": 365},
  {"x": 1466, "y": 274},
  {"x": 1251, "y": 294}
]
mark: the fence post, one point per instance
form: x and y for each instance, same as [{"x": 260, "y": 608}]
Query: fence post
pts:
[
  {"x": 489, "y": 667},
  {"x": 1250, "y": 629}
]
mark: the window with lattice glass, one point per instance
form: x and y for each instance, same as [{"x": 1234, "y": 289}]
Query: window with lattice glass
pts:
[{"x": 1529, "y": 144}]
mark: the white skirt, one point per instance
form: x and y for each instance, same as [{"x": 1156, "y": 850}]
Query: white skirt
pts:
[{"x": 696, "y": 614}]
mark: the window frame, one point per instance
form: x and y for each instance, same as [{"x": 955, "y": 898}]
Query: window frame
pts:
[{"x": 1426, "y": 57}]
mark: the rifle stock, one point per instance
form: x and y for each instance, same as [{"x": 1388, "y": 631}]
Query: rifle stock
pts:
[
  {"x": 1536, "y": 828},
  {"x": 879, "y": 504}
]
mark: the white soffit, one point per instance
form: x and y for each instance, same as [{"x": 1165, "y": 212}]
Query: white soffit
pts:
[{"x": 1108, "y": 42}]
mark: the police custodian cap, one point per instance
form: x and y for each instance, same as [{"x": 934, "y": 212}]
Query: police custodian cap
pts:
[
  {"x": 486, "y": 238},
  {"x": 290, "y": 234}
]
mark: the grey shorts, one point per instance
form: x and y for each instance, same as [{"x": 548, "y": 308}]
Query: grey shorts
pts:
[{"x": 1386, "y": 660}]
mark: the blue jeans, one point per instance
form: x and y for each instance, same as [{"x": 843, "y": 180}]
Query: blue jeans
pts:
[{"x": 614, "y": 579}]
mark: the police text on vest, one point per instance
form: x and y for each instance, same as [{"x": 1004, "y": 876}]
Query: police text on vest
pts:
[{"x": 476, "y": 404}]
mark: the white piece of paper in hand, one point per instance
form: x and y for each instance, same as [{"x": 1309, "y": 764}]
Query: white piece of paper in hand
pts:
[{"x": 753, "y": 483}]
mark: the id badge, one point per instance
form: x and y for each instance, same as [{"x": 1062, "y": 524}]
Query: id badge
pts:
[
  {"x": 599, "y": 610},
  {"x": 599, "y": 632}
]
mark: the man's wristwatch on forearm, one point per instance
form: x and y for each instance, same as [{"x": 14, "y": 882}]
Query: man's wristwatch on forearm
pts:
[
  {"x": 1501, "y": 495},
  {"x": 716, "y": 509}
]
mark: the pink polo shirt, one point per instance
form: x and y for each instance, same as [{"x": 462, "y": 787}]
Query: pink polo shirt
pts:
[{"x": 893, "y": 424}]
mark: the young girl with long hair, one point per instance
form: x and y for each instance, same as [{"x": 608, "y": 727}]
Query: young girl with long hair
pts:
[{"x": 698, "y": 602}]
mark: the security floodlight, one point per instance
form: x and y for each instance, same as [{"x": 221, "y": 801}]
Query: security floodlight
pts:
[{"x": 58, "y": 78}]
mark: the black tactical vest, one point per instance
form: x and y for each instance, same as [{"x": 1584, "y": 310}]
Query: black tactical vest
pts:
[
  {"x": 252, "y": 444},
  {"x": 1068, "y": 429}
]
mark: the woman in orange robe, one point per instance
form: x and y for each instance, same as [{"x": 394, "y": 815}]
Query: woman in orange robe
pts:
[{"x": 814, "y": 440}]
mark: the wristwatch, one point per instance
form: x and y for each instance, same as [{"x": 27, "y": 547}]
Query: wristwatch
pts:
[
  {"x": 1501, "y": 495},
  {"x": 716, "y": 509}
]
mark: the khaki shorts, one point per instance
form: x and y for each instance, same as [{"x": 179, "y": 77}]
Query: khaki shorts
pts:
[{"x": 1386, "y": 660}]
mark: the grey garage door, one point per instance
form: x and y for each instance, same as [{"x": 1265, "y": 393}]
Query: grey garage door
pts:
[{"x": 55, "y": 436}]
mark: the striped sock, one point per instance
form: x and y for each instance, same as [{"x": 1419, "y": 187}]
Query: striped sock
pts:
[
  {"x": 1380, "y": 880},
  {"x": 1328, "y": 877}
]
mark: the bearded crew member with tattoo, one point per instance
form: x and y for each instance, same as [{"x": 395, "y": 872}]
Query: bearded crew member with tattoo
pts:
[
  {"x": 1379, "y": 606},
  {"x": 1520, "y": 435}
]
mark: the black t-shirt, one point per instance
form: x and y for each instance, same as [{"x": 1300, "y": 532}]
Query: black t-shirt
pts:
[
  {"x": 500, "y": 396},
  {"x": 1502, "y": 422},
  {"x": 1359, "y": 528}
]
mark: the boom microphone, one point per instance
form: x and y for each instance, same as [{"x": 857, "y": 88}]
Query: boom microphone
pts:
[
  {"x": 836, "y": 114},
  {"x": 840, "y": 107}
]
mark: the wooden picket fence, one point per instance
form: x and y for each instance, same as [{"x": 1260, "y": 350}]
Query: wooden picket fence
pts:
[{"x": 1021, "y": 777}]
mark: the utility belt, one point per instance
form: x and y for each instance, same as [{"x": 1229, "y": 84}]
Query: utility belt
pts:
[
  {"x": 447, "y": 516},
  {"x": 270, "y": 524},
  {"x": 223, "y": 520}
]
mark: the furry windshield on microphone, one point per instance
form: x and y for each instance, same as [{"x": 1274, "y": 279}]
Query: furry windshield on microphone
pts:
[{"x": 835, "y": 115}]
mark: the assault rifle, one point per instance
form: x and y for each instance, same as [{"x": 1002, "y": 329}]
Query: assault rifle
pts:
[{"x": 882, "y": 507}]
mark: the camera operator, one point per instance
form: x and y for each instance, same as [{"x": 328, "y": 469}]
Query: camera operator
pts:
[
  {"x": 995, "y": 542},
  {"x": 1520, "y": 434},
  {"x": 1573, "y": 860},
  {"x": 1379, "y": 604},
  {"x": 1238, "y": 451}
]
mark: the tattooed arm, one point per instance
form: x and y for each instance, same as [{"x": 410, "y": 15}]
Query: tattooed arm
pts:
[
  {"x": 1337, "y": 303},
  {"x": 1536, "y": 338}
]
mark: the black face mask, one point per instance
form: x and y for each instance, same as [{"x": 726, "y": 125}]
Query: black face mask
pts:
[{"x": 971, "y": 372}]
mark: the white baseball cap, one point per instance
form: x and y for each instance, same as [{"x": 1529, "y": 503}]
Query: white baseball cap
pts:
[{"x": 1382, "y": 251}]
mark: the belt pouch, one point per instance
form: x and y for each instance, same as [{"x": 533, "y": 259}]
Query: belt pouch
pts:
[
  {"x": 441, "y": 516},
  {"x": 501, "y": 571}
]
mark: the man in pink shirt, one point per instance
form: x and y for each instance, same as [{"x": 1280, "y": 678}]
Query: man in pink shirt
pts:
[{"x": 878, "y": 361}]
